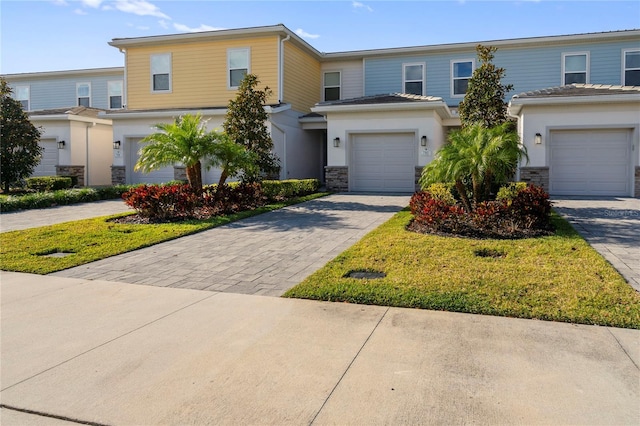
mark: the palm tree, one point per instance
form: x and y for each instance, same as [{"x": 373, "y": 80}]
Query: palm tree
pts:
[
  {"x": 185, "y": 141},
  {"x": 479, "y": 155},
  {"x": 232, "y": 158}
]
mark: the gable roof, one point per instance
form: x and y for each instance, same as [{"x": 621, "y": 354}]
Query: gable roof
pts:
[
  {"x": 79, "y": 111},
  {"x": 384, "y": 102}
]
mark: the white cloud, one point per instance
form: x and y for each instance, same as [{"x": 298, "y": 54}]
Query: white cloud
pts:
[
  {"x": 80, "y": 12},
  {"x": 138, "y": 7},
  {"x": 358, "y": 5},
  {"x": 163, "y": 24},
  {"x": 302, "y": 33},
  {"x": 202, "y": 27},
  {"x": 91, "y": 3}
]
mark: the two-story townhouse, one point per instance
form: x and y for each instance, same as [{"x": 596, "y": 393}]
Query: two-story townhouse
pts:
[
  {"x": 383, "y": 127},
  {"x": 171, "y": 75},
  {"x": 65, "y": 105}
]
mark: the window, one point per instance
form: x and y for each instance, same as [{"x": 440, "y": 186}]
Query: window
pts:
[
  {"x": 413, "y": 77},
  {"x": 83, "y": 93},
  {"x": 115, "y": 94},
  {"x": 575, "y": 68},
  {"x": 631, "y": 68},
  {"x": 332, "y": 86},
  {"x": 161, "y": 73},
  {"x": 238, "y": 64},
  {"x": 22, "y": 96},
  {"x": 461, "y": 72}
]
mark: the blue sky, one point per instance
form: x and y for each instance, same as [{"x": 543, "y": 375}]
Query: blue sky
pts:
[{"x": 50, "y": 35}]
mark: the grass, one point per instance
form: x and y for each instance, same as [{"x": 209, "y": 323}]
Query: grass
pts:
[
  {"x": 558, "y": 278},
  {"x": 94, "y": 239}
]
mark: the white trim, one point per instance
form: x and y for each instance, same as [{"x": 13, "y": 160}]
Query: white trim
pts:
[
  {"x": 516, "y": 104},
  {"x": 587, "y": 65},
  {"x": 324, "y": 86},
  {"x": 78, "y": 95},
  {"x": 109, "y": 95},
  {"x": 151, "y": 73},
  {"x": 451, "y": 76},
  {"x": 624, "y": 64},
  {"x": 424, "y": 76},
  {"x": 28, "y": 87},
  {"x": 229, "y": 69},
  {"x": 177, "y": 112}
]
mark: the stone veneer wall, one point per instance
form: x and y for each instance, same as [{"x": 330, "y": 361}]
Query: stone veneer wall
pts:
[
  {"x": 180, "y": 173},
  {"x": 636, "y": 191},
  {"x": 536, "y": 175},
  {"x": 76, "y": 171},
  {"x": 337, "y": 178},
  {"x": 118, "y": 175}
]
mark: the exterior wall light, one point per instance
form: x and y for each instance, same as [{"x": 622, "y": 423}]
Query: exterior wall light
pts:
[
  {"x": 538, "y": 139},
  {"x": 61, "y": 144},
  {"x": 336, "y": 142},
  {"x": 423, "y": 141},
  {"x": 116, "y": 145}
]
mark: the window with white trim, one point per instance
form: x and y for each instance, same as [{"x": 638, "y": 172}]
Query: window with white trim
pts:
[
  {"x": 631, "y": 68},
  {"x": 22, "y": 95},
  {"x": 83, "y": 94},
  {"x": 332, "y": 80},
  {"x": 413, "y": 77},
  {"x": 575, "y": 68},
  {"x": 237, "y": 65},
  {"x": 461, "y": 72},
  {"x": 161, "y": 72},
  {"x": 114, "y": 89}
]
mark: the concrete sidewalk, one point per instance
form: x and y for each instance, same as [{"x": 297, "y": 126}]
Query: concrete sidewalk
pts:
[
  {"x": 112, "y": 353},
  {"x": 23, "y": 219}
]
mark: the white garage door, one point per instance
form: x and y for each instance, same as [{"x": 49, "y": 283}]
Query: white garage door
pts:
[
  {"x": 383, "y": 162},
  {"x": 49, "y": 160},
  {"x": 590, "y": 162},
  {"x": 157, "y": 176}
]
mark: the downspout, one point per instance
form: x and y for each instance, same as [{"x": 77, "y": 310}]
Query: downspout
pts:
[
  {"x": 281, "y": 67},
  {"x": 124, "y": 83}
]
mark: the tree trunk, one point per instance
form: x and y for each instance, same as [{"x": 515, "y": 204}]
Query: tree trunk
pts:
[
  {"x": 463, "y": 195},
  {"x": 488, "y": 181},
  {"x": 223, "y": 177},
  {"x": 477, "y": 189},
  {"x": 194, "y": 175}
]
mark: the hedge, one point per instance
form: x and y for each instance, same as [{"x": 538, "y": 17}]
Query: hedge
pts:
[{"x": 61, "y": 197}]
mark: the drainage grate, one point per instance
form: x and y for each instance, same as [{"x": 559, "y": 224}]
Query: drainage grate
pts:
[
  {"x": 485, "y": 252},
  {"x": 365, "y": 274},
  {"x": 56, "y": 253}
]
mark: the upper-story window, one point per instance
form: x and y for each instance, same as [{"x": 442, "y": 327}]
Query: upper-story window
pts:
[
  {"x": 461, "y": 72},
  {"x": 631, "y": 68},
  {"x": 413, "y": 77},
  {"x": 332, "y": 86},
  {"x": 161, "y": 72},
  {"x": 22, "y": 95},
  {"x": 575, "y": 68},
  {"x": 114, "y": 89},
  {"x": 238, "y": 66},
  {"x": 83, "y": 94}
]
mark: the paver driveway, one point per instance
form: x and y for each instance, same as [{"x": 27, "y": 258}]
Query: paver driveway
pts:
[{"x": 265, "y": 254}]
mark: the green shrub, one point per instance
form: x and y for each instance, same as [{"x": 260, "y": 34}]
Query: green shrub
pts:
[
  {"x": 40, "y": 200},
  {"x": 509, "y": 191},
  {"x": 441, "y": 192},
  {"x": 277, "y": 190},
  {"x": 49, "y": 183}
]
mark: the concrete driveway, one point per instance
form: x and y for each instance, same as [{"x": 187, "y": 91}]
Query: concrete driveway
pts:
[
  {"x": 611, "y": 226},
  {"x": 264, "y": 255}
]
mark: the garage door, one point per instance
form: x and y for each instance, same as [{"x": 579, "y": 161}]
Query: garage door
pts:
[
  {"x": 49, "y": 160},
  {"x": 590, "y": 162},
  {"x": 383, "y": 162},
  {"x": 157, "y": 176}
]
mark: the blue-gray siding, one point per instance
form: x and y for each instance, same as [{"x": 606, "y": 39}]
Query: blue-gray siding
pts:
[
  {"x": 526, "y": 68},
  {"x": 57, "y": 92}
]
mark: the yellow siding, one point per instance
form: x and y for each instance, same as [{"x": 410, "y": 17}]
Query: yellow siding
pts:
[
  {"x": 198, "y": 72},
  {"x": 302, "y": 78}
]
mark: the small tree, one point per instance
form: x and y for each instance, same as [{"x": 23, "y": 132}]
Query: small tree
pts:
[
  {"x": 233, "y": 159},
  {"x": 185, "y": 141},
  {"x": 245, "y": 125},
  {"x": 19, "y": 149},
  {"x": 484, "y": 101}
]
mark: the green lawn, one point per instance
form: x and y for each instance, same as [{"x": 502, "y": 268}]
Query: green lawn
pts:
[
  {"x": 94, "y": 239},
  {"x": 559, "y": 278}
]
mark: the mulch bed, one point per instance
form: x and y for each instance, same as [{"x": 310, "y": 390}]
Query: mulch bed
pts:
[{"x": 479, "y": 234}]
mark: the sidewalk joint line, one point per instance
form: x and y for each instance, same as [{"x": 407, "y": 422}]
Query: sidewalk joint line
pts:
[
  {"x": 51, "y": 416},
  {"x": 623, "y": 349},
  {"x": 348, "y": 367},
  {"x": 109, "y": 341}
]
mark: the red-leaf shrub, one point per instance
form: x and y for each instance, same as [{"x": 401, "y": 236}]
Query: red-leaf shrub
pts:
[
  {"x": 162, "y": 202},
  {"x": 437, "y": 214},
  {"x": 531, "y": 208},
  {"x": 227, "y": 199}
]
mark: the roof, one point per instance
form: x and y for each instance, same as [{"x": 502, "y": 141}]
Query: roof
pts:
[
  {"x": 579, "y": 90},
  {"x": 391, "y": 98},
  {"x": 173, "y": 112},
  {"x": 80, "y": 111},
  {"x": 65, "y": 73}
]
